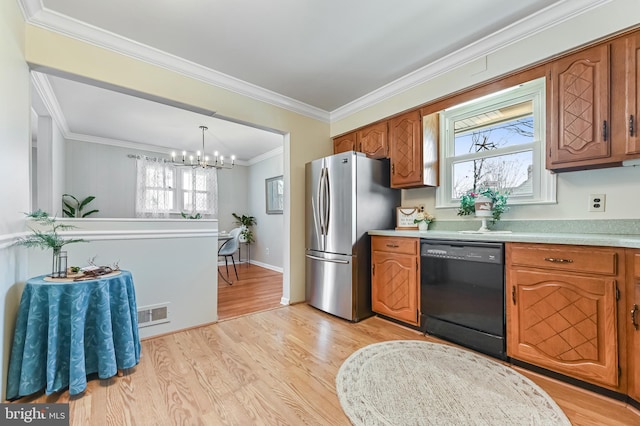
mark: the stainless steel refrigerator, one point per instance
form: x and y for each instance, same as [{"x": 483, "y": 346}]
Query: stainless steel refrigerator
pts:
[{"x": 348, "y": 194}]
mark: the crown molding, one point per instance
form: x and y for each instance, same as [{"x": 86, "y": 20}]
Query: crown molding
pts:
[
  {"x": 269, "y": 154},
  {"x": 79, "y": 137},
  {"x": 43, "y": 87},
  {"x": 526, "y": 27},
  {"x": 38, "y": 15}
]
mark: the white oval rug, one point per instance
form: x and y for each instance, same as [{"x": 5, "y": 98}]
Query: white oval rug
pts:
[{"x": 409, "y": 382}]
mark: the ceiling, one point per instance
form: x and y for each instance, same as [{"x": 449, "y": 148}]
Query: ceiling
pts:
[{"x": 322, "y": 58}]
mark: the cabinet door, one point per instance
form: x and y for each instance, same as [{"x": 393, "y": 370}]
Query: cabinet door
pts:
[
  {"x": 344, "y": 143},
  {"x": 632, "y": 92},
  {"x": 405, "y": 150},
  {"x": 565, "y": 323},
  {"x": 632, "y": 321},
  {"x": 578, "y": 109},
  {"x": 394, "y": 286},
  {"x": 372, "y": 140}
]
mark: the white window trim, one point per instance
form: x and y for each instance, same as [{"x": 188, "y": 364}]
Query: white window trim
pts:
[
  {"x": 182, "y": 194},
  {"x": 544, "y": 182},
  {"x": 179, "y": 194}
]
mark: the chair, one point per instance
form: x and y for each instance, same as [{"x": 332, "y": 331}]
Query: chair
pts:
[{"x": 228, "y": 249}]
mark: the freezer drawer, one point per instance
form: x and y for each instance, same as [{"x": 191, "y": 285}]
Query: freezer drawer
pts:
[{"x": 329, "y": 283}]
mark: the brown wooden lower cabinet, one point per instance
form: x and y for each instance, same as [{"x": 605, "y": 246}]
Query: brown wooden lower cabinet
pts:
[
  {"x": 395, "y": 270},
  {"x": 562, "y": 310}
]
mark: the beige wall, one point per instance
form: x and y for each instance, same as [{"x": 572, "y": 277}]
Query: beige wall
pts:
[
  {"x": 308, "y": 138},
  {"x": 573, "y": 188}
]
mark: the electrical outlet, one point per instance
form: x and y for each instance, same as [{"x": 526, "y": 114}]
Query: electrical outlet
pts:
[
  {"x": 267, "y": 250},
  {"x": 596, "y": 202}
]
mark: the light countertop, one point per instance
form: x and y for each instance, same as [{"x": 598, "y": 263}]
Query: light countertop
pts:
[{"x": 583, "y": 239}]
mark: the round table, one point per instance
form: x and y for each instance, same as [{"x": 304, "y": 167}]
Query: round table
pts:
[{"x": 67, "y": 330}]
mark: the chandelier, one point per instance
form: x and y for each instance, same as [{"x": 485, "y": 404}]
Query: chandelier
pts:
[{"x": 202, "y": 160}]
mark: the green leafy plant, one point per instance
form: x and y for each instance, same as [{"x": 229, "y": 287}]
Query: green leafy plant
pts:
[
  {"x": 191, "y": 216},
  {"x": 246, "y": 222},
  {"x": 499, "y": 200},
  {"x": 73, "y": 207},
  {"x": 46, "y": 239}
]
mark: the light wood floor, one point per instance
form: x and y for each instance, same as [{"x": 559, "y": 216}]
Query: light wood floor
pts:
[
  {"x": 276, "y": 367},
  {"x": 256, "y": 289}
]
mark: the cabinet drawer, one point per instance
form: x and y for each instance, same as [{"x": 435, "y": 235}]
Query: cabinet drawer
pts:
[
  {"x": 565, "y": 258},
  {"x": 395, "y": 244}
]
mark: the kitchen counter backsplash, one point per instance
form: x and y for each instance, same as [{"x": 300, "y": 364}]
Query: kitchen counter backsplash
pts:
[{"x": 601, "y": 226}]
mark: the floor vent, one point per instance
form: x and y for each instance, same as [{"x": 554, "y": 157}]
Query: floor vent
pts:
[{"x": 152, "y": 315}]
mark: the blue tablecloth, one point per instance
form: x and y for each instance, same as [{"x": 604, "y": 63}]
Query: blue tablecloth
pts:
[{"x": 66, "y": 331}]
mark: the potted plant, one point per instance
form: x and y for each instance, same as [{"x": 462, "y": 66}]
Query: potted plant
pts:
[
  {"x": 485, "y": 203},
  {"x": 73, "y": 207},
  {"x": 246, "y": 222},
  {"x": 48, "y": 239},
  {"x": 423, "y": 219}
]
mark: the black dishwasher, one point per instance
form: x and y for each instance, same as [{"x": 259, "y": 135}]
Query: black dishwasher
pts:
[{"x": 462, "y": 293}]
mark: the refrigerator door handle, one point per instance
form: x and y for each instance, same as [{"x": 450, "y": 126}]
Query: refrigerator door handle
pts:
[
  {"x": 346, "y": 262},
  {"x": 321, "y": 201},
  {"x": 327, "y": 203}
]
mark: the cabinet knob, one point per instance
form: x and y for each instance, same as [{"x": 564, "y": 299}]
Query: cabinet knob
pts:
[{"x": 631, "y": 126}]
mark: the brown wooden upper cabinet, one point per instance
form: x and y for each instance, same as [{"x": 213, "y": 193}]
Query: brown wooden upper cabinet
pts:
[
  {"x": 371, "y": 140},
  {"x": 344, "y": 143},
  {"x": 413, "y": 154},
  {"x": 592, "y": 105}
]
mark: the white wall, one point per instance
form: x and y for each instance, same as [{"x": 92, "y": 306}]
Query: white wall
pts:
[
  {"x": 269, "y": 228},
  {"x": 108, "y": 173},
  {"x": 232, "y": 196},
  {"x": 105, "y": 172},
  {"x": 15, "y": 141},
  {"x": 172, "y": 261}
]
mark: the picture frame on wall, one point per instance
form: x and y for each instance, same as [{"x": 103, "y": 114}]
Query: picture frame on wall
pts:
[
  {"x": 405, "y": 217},
  {"x": 274, "y": 193}
]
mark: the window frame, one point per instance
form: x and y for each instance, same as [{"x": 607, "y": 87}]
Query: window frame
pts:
[
  {"x": 184, "y": 194},
  {"x": 180, "y": 194},
  {"x": 544, "y": 182},
  {"x": 146, "y": 188}
]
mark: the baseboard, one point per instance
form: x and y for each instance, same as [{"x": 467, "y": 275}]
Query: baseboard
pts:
[
  {"x": 266, "y": 266},
  {"x": 285, "y": 301},
  {"x": 255, "y": 262}
]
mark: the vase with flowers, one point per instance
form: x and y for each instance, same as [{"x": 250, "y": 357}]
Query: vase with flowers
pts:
[
  {"x": 423, "y": 219},
  {"x": 485, "y": 203}
]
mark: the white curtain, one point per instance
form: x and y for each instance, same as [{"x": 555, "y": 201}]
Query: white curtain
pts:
[
  {"x": 155, "y": 188},
  {"x": 200, "y": 191}
]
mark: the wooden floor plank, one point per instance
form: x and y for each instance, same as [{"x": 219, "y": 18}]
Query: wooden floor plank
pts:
[
  {"x": 256, "y": 289},
  {"x": 276, "y": 366}
]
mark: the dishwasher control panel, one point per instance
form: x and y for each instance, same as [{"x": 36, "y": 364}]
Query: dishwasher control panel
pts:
[{"x": 472, "y": 251}]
